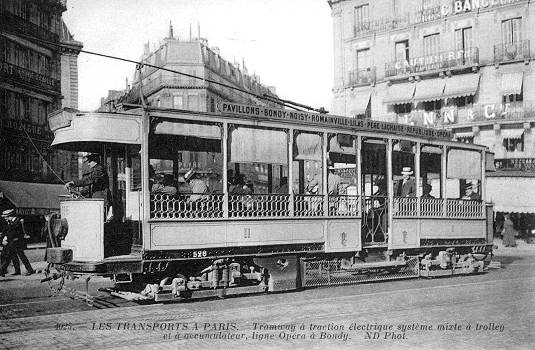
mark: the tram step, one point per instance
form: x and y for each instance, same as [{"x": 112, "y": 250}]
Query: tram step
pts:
[
  {"x": 378, "y": 264},
  {"x": 210, "y": 293}
]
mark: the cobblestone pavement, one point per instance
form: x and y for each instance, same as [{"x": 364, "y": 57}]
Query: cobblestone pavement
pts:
[{"x": 498, "y": 306}]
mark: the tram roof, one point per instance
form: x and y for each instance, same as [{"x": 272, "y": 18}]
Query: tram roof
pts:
[{"x": 70, "y": 126}]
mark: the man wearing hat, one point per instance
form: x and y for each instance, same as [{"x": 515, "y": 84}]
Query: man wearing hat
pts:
[
  {"x": 333, "y": 180},
  {"x": 407, "y": 186},
  {"x": 198, "y": 186},
  {"x": 12, "y": 238},
  {"x": 94, "y": 182}
]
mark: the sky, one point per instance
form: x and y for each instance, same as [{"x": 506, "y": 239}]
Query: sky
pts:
[{"x": 288, "y": 43}]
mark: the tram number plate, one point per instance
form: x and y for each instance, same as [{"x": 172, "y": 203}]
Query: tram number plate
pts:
[{"x": 199, "y": 254}]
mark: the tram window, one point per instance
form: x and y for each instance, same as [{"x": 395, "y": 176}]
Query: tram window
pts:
[
  {"x": 342, "y": 157},
  {"x": 463, "y": 174},
  {"x": 258, "y": 160},
  {"x": 374, "y": 168},
  {"x": 176, "y": 147},
  {"x": 403, "y": 168},
  {"x": 307, "y": 163},
  {"x": 430, "y": 171}
]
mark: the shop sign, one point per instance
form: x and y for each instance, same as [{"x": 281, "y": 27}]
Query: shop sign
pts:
[
  {"x": 21, "y": 125},
  {"x": 460, "y": 6},
  {"x": 454, "y": 115},
  {"x": 438, "y": 61}
]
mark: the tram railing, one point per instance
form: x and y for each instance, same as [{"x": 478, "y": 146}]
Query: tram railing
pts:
[
  {"x": 405, "y": 206},
  {"x": 259, "y": 205},
  {"x": 372, "y": 209},
  {"x": 186, "y": 206},
  {"x": 308, "y": 205},
  {"x": 344, "y": 205}
]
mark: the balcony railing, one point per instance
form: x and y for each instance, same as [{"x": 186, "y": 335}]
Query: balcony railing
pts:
[
  {"x": 17, "y": 24},
  {"x": 519, "y": 164},
  {"x": 388, "y": 23},
  {"x": 362, "y": 76},
  {"x": 445, "y": 60},
  {"x": 517, "y": 51},
  {"x": 11, "y": 71}
]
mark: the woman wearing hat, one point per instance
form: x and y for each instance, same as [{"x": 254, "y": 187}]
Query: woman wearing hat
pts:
[{"x": 13, "y": 241}]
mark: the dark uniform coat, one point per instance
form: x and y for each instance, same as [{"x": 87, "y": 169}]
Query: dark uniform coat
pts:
[{"x": 94, "y": 184}]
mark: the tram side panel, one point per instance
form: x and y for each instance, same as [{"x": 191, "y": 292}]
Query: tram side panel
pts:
[{"x": 341, "y": 235}]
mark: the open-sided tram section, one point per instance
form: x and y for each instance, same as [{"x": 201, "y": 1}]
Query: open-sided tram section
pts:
[{"x": 255, "y": 199}]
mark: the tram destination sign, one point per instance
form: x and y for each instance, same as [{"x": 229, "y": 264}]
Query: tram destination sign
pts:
[{"x": 256, "y": 112}]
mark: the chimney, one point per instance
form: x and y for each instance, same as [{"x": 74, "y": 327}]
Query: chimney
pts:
[{"x": 170, "y": 36}]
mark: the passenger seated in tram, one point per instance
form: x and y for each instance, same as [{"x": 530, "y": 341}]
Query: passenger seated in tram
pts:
[
  {"x": 198, "y": 186},
  {"x": 471, "y": 192},
  {"x": 183, "y": 186},
  {"x": 283, "y": 188},
  {"x": 406, "y": 187},
  {"x": 163, "y": 184},
  {"x": 426, "y": 191}
]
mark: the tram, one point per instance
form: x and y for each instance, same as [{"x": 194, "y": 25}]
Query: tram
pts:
[{"x": 253, "y": 199}]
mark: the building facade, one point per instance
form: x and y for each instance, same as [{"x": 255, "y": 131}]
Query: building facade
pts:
[
  {"x": 464, "y": 65},
  {"x": 32, "y": 85},
  {"x": 170, "y": 90}
]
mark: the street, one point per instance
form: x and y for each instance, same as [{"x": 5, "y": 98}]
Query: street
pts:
[{"x": 492, "y": 310}]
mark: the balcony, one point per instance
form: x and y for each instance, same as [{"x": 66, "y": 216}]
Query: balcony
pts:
[
  {"x": 11, "y": 71},
  {"x": 512, "y": 52},
  {"x": 159, "y": 82},
  {"x": 518, "y": 164},
  {"x": 16, "y": 24},
  {"x": 381, "y": 24},
  {"x": 446, "y": 60},
  {"x": 362, "y": 76}
]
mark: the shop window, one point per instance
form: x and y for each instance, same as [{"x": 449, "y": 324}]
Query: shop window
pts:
[
  {"x": 403, "y": 108},
  {"x": 466, "y": 139},
  {"x": 514, "y": 144},
  {"x": 514, "y": 100},
  {"x": 430, "y": 106},
  {"x": 462, "y": 101}
]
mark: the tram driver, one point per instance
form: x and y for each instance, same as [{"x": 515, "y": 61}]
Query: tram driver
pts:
[{"x": 94, "y": 182}]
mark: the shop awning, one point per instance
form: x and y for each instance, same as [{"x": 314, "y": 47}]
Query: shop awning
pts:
[
  {"x": 512, "y": 133},
  {"x": 360, "y": 102},
  {"x": 429, "y": 90},
  {"x": 512, "y": 83},
  {"x": 399, "y": 93},
  {"x": 511, "y": 194},
  {"x": 32, "y": 198},
  {"x": 464, "y": 134},
  {"x": 461, "y": 85}
]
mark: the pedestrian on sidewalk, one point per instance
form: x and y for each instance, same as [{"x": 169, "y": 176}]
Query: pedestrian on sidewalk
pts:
[
  {"x": 3, "y": 242},
  {"x": 13, "y": 237},
  {"x": 509, "y": 232}
]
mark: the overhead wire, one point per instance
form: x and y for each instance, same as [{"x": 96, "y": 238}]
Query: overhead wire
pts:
[{"x": 274, "y": 99}]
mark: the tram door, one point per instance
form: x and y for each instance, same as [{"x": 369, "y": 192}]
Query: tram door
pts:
[{"x": 374, "y": 192}]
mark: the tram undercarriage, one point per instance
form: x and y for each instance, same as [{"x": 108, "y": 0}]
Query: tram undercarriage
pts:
[{"x": 177, "y": 280}]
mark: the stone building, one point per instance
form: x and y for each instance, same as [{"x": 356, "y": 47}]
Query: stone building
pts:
[
  {"x": 166, "y": 89},
  {"x": 463, "y": 65},
  {"x": 36, "y": 77}
]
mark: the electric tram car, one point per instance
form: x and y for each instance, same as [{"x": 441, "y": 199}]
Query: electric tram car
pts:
[{"x": 254, "y": 199}]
